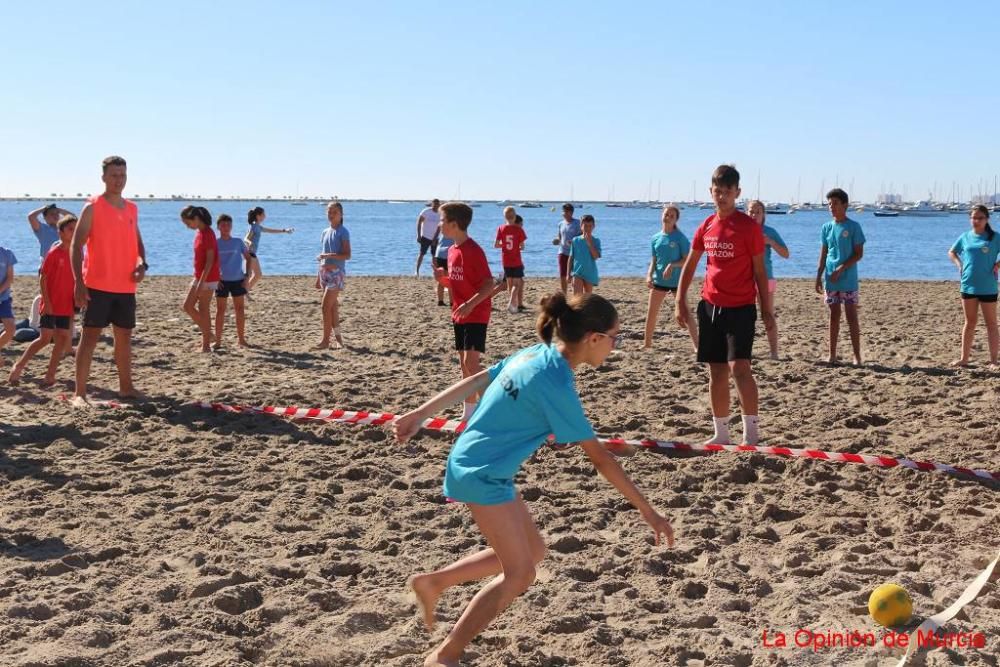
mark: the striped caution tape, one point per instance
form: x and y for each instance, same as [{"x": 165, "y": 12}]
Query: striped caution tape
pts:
[{"x": 618, "y": 446}]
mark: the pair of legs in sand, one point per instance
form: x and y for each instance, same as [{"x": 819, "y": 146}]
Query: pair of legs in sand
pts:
[
  {"x": 123, "y": 361},
  {"x": 972, "y": 306},
  {"x": 853, "y": 325},
  {"x": 63, "y": 343},
  {"x": 656, "y": 297},
  {"x": 239, "y": 309},
  {"x": 197, "y": 306},
  {"x": 581, "y": 286},
  {"x": 516, "y": 548},
  {"x": 331, "y": 314}
]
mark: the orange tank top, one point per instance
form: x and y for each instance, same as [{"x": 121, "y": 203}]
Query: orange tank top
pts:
[{"x": 112, "y": 248}]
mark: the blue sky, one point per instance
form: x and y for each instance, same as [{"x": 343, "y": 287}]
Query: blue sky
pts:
[{"x": 520, "y": 100}]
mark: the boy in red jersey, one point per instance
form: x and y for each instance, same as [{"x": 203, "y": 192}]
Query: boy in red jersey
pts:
[
  {"x": 510, "y": 240},
  {"x": 471, "y": 286},
  {"x": 734, "y": 278},
  {"x": 56, "y": 307}
]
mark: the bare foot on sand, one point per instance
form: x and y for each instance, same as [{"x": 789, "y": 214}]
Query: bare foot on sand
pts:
[
  {"x": 427, "y": 597},
  {"x": 434, "y": 661},
  {"x": 323, "y": 345},
  {"x": 962, "y": 363},
  {"x": 80, "y": 402},
  {"x": 132, "y": 393},
  {"x": 15, "y": 376},
  {"x": 48, "y": 382}
]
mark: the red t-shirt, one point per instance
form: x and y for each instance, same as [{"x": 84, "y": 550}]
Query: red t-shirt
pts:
[
  {"x": 203, "y": 241},
  {"x": 730, "y": 246},
  {"x": 468, "y": 269},
  {"x": 59, "y": 282},
  {"x": 511, "y": 237}
]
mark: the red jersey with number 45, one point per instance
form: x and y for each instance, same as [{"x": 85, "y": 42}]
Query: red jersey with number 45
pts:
[
  {"x": 510, "y": 237},
  {"x": 730, "y": 245},
  {"x": 468, "y": 270}
]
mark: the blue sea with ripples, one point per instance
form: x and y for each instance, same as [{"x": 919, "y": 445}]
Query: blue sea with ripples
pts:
[{"x": 383, "y": 237}]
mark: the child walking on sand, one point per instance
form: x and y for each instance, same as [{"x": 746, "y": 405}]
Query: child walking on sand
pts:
[
  {"x": 734, "y": 278},
  {"x": 255, "y": 218},
  {"x": 233, "y": 281},
  {"x": 584, "y": 251},
  {"x": 7, "y": 262},
  {"x": 526, "y": 397},
  {"x": 976, "y": 254},
  {"x": 772, "y": 240},
  {"x": 510, "y": 239},
  {"x": 670, "y": 248},
  {"x": 843, "y": 246},
  {"x": 336, "y": 242},
  {"x": 56, "y": 307},
  {"x": 206, "y": 271},
  {"x": 471, "y": 286}
]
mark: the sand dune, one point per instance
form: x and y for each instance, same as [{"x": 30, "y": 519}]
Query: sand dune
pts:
[{"x": 163, "y": 534}]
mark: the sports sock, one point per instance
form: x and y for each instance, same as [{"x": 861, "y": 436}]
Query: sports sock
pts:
[
  {"x": 721, "y": 436},
  {"x": 750, "y": 432}
]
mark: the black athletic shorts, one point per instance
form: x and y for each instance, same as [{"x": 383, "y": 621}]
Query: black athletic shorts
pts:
[
  {"x": 661, "y": 288},
  {"x": 230, "y": 288},
  {"x": 471, "y": 336},
  {"x": 983, "y": 298},
  {"x": 513, "y": 272},
  {"x": 725, "y": 334},
  {"x": 54, "y": 322},
  {"x": 104, "y": 308},
  {"x": 441, "y": 263},
  {"x": 426, "y": 244}
]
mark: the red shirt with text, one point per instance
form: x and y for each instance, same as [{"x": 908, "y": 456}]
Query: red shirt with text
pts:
[
  {"x": 729, "y": 245},
  {"x": 468, "y": 270}
]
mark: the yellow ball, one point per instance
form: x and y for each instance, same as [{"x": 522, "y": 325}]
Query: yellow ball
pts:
[{"x": 890, "y": 605}]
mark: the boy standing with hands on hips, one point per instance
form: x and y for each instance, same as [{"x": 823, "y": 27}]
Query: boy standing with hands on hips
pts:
[{"x": 735, "y": 277}]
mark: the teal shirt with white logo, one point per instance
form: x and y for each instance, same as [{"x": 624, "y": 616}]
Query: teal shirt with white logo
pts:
[
  {"x": 840, "y": 238},
  {"x": 979, "y": 257},
  {"x": 771, "y": 233},
  {"x": 584, "y": 265},
  {"x": 667, "y": 249}
]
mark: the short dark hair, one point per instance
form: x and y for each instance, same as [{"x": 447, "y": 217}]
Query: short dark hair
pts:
[
  {"x": 838, "y": 194},
  {"x": 568, "y": 207},
  {"x": 588, "y": 218},
  {"x": 224, "y": 217},
  {"x": 65, "y": 221},
  {"x": 48, "y": 209},
  {"x": 199, "y": 213},
  {"x": 458, "y": 212},
  {"x": 726, "y": 175},
  {"x": 112, "y": 161}
]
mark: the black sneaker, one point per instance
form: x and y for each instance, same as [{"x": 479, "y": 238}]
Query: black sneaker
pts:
[
  {"x": 441, "y": 303},
  {"x": 521, "y": 309}
]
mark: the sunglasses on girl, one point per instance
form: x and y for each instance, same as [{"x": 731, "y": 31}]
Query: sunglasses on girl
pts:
[{"x": 615, "y": 340}]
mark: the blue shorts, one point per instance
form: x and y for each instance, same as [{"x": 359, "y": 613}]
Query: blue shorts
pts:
[
  {"x": 7, "y": 309},
  {"x": 476, "y": 486}
]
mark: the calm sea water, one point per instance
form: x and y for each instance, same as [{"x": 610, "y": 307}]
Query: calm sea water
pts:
[{"x": 383, "y": 238}]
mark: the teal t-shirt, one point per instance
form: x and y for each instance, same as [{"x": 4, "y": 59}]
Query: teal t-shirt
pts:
[
  {"x": 771, "y": 233},
  {"x": 667, "y": 249},
  {"x": 840, "y": 238},
  {"x": 584, "y": 265},
  {"x": 530, "y": 396},
  {"x": 7, "y": 259},
  {"x": 979, "y": 256}
]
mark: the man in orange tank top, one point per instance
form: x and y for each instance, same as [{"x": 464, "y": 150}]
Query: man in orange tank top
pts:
[{"x": 106, "y": 278}]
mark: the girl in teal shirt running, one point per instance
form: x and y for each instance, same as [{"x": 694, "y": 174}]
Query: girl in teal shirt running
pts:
[{"x": 526, "y": 397}]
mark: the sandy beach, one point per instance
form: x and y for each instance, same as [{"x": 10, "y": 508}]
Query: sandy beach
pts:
[{"x": 164, "y": 534}]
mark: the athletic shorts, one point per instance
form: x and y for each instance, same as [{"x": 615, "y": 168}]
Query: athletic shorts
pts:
[
  {"x": 846, "y": 298},
  {"x": 441, "y": 263},
  {"x": 104, "y": 308},
  {"x": 513, "y": 272},
  {"x": 476, "y": 486},
  {"x": 470, "y": 336},
  {"x": 331, "y": 278},
  {"x": 230, "y": 288},
  {"x": 426, "y": 244},
  {"x": 661, "y": 288},
  {"x": 7, "y": 309},
  {"x": 563, "y": 265},
  {"x": 772, "y": 285},
  {"x": 206, "y": 286},
  {"x": 54, "y": 322},
  {"x": 725, "y": 334},
  {"x": 983, "y": 298}
]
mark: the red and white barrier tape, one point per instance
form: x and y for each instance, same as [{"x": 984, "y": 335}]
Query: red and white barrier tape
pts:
[{"x": 616, "y": 445}]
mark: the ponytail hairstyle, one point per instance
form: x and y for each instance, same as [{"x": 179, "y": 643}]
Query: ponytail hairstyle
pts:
[
  {"x": 252, "y": 214},
  {"x": 518, "y": 220},
  {"x": 199, "y": 213},
  {"x": 980, "y": 208},
  {"x": 572, "y": 319}
]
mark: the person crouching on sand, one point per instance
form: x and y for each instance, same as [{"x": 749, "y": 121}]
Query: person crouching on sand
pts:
[{"x": 526, "y": 397}]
